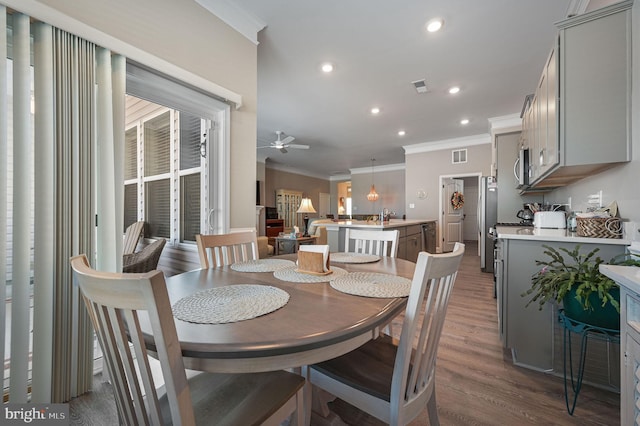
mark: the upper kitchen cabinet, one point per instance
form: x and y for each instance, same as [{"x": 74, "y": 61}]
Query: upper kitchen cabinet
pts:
[{"x": 579, "y": 122}]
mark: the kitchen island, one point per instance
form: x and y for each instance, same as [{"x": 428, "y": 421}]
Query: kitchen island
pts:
[
  {"x": 535, "y": 336},
  {"x": 412, "y": 233}
]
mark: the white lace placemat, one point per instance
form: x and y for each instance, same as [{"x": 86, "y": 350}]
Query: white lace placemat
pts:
[
  {"x": 372, "y": 284},
  {"x": 343, "y": 257},
  {"x": 230, "y": 303},
  {"x": 290, "y": 274},
  {"x": 262, "y": 265}
]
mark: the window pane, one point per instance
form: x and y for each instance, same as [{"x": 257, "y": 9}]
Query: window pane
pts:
[
  {"x": 157, "y": 145},
  {"x": 158, "y": 208},
  {"x": 190, "y": 139},
  {"x": 130, "y": 154},
  {"x": 190, "y": 206},
  {"x": 130, "y": 205}
]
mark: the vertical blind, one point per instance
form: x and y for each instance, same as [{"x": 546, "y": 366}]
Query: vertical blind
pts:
[{"x": 65, "y": 133}]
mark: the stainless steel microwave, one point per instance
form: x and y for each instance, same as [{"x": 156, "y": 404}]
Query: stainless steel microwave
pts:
[{"x": 521, "y": 168}]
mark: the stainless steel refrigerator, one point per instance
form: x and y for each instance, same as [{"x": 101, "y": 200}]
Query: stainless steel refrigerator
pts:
[{"x": 487, "y": 217}]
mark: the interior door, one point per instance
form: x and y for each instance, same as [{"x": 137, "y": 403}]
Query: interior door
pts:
[{"x": 452, "y": 218}]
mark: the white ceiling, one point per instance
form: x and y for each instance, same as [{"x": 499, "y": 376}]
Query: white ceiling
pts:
[{"x": 493, "y": 49}]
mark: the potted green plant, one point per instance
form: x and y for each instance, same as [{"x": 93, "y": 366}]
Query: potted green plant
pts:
[{"x": 587, "y": 295}]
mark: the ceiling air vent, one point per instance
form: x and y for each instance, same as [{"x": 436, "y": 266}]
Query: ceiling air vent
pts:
[{"x": 420, "y": 85}]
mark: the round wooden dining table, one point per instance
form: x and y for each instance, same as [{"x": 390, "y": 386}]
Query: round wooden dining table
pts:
[{"x": 317, "y": 323}]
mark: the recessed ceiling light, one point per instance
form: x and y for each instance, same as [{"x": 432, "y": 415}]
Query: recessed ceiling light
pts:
[
  {"x": 375, "y": 110},
  {"x": 327, "y": 67},
  {"x": 401, "y": 133},
  {"x": 435, "y": 25},
  {"x": 464, "y": 121},
  {"x": 453, "y": 90}
]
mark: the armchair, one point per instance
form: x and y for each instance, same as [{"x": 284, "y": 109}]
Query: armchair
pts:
[{"x": 145, "y": 260}]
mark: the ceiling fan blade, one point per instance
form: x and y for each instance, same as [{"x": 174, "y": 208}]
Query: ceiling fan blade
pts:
[
  {"x": 298, "y": 146},
  {"x": 266, "y": 146},
  {"x": 283, "y": 150},
  {"x": 287, "y": 139}
]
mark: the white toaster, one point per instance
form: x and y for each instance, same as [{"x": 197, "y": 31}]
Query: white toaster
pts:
[{"x": 553, "y": 220}]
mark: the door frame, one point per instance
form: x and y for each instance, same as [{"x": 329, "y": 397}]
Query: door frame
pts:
[{"x": 441, "y": 207}]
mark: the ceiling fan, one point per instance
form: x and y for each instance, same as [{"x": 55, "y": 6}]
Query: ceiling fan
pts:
[{"x": 283, "y": 144}]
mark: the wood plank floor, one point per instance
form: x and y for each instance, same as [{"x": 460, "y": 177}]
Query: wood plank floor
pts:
[{"x": 476, "y": 382}]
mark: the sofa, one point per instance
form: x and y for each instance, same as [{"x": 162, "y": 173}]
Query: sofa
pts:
[{"x": 316, "y": 228}]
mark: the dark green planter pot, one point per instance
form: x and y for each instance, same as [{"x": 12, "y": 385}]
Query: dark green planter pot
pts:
[{"x": 606, "y": 317}]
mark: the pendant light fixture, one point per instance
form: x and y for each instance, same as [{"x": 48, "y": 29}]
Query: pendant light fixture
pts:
[{"x": 372, "y": 195}]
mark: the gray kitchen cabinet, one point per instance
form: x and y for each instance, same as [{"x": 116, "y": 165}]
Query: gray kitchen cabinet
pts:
[
  {"x": 533, "y": 335},
  {"x": 402, "y": 242},
  {"x": 413, "y": 242},
  {"x": 580, "y": 121},
  {"x": 543, "y": 153},
  {"x": 629, "y": 280},
  {"x": 630, "y": 338},
  {"x": 430, "y": 236}
]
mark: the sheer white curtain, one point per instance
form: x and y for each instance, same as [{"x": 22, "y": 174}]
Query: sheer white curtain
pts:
[{"x": 73, "y": 151}]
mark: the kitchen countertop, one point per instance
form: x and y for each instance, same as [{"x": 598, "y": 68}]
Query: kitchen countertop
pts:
[
  {"x": 393, "y": 223},
  {"x": 626, "y": 276},
  {"x": 561, "y": 235}
]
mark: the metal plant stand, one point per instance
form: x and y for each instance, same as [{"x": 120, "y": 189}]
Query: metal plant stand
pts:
[{"x": 586, "y": 331}]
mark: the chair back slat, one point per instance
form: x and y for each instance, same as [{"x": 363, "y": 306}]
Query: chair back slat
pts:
[
  {"x": 378, "y": 242},
  {"x": 132, "y": 236},
  {"x": 417, "y": 350},
  {"x": 225, "y": 249},
  {"x": 114, "y": 301}
]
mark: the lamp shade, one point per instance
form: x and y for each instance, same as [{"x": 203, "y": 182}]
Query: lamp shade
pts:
[{"x": 306, "y": 206}]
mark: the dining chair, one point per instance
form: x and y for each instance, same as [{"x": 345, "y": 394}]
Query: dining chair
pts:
[
  {"x": 132, "y": 236},
  {"x": 226, "y": 249},
  {"x": 394, "y": 381},
  {"x": 144, "y": 260},
  {"x": 382, "y": 243},
  {"x": 117, "y": 303}
]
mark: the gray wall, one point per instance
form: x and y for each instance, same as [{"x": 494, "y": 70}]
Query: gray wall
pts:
[
  {"x": 389, "y": 186},
  {"x": 310, "y": 186},
  {"x": 423, "y": 171}
]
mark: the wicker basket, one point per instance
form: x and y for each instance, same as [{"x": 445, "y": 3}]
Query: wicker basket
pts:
[{"x": 599, "y": 227}]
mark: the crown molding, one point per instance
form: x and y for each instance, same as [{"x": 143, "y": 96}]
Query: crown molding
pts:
[
  {"x": 447, "y": 144},
  {"x": 236, "y": 17},
  {"x": 289, "y": 169},
  {"x": 510, "y": 122},
  {"x": 382, "y": 168}
]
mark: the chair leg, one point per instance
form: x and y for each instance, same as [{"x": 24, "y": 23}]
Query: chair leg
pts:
[
  {"x": 432, "y": 408},
  {"x": 299, "y": 419}
]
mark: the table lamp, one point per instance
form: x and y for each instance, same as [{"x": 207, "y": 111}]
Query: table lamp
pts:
[{"x": 306, "y": 207}]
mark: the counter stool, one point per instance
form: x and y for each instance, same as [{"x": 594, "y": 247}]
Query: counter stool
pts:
[{"x": 586, "y": 331}]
